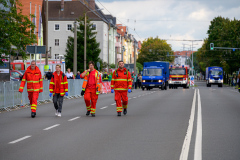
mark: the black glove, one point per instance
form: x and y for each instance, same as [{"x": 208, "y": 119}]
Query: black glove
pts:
[{"x": 82, "y": 93}]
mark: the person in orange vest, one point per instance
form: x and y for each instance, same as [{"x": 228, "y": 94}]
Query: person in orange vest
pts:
[
  {"x": 58, "y": 88},
  {"x": 33, "y": 77},
  {"x": 121, "y": 83},
  {"x": 91, "y": 88}
]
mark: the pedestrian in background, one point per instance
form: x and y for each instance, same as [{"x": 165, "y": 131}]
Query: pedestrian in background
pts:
[
  {"x": 105, "y": 76},
  {"x": 49, "y": 74},
  {"x": 140, "y": 80},
  {"x": 91, "y": 88},
  {"x": 58, "y": 88},
  {"x": 78, "y": 75},
  {"x": 33, "y": 77},
  {"x": 239, "y": 82},
  {"x": 69, "y": 74}
]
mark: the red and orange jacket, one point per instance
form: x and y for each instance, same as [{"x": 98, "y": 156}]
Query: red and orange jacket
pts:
[
  {"x": 63, "y": 83},
  {"x": 121, "y": 80},
  {"x": 34, "y": 80},
  {"x": 97, "y": 81}
]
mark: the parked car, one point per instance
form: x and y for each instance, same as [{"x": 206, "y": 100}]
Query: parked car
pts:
[{"x": 16, "y": 74}]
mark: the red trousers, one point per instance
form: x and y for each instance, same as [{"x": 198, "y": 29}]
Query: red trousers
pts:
[
  {"x": 33, "y": 97},
  {"x": 91, "y": 98},
  {"x": 121, "y": 99}
]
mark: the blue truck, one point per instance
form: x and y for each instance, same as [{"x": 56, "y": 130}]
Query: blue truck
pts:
[
  {"x": 214, "y": 76},
  {"x": 155, "y": 75}
]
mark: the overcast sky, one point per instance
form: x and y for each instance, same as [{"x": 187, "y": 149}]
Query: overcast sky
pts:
[{"x": 170, "y": 19}]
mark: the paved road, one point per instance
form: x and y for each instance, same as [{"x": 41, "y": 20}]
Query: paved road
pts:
[{"x": 157, "y": 126}]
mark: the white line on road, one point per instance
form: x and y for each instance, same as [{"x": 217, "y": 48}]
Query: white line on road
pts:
[
  {"x": 198, "y": 142},
  {"x": 51, "y": 127},
  {"x": 104, "y": 107},
  {"x": 113, "y": 104},
  {"x": 187, "y": 140},
  {"x": 20, "y": 139},
  {"x": 134, "y": 97},
  {"x": 73, "y": 119},
  {"x": 129, "y": 98}
]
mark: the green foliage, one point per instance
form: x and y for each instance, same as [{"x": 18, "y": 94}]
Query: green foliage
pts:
[
  {"x": 223, "y": 32},
  {"x": 155, "y": 49},
  {"x": 93, "y": 49},
  {"x": 14, "y": 29},
  {"x": 139, "y": 66},
  {"x": 112, "y": 65}
]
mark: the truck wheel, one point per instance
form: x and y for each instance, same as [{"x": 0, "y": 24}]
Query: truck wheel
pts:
[
  {"x": 143, "y": 88},
  {"x": 165, "y": 87},
  {"x": 162, "y": 88}
]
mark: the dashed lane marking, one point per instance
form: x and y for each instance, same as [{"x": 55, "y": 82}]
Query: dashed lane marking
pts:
[
  {"x": 104, "y": 107},
  {"x": 51, "y": 127},
  {"x": 134, "y": 97},
  {"x": 129, "y": 98},
  {"x": 113, "y": 104},
  {"x": 73, "y": 119},
  {"x": 20, "y": 139}
]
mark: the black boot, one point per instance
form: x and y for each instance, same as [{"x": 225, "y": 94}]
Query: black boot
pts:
[
  {"x": 125, "y": 111},
  {"x": 88, "y": 113},
  {"x": 93, "y": 115},
  {"x": 119, "y": 113},
  {"x": 33, "y": 114}
]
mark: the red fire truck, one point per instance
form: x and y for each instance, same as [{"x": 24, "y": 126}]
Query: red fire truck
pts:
[{"x": 178, "y": 77}]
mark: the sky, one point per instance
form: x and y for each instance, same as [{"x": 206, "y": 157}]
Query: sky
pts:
[{"x": 173, "y": 20}]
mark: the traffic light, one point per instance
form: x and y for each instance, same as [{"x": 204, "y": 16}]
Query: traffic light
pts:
[{"x": 211, "y": 46}]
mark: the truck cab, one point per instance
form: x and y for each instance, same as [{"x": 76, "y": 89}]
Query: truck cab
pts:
[
  {"x": 214, "y": 76},
  {"x": 155, "y": 75},
  {"x": 178, "y": 77}
]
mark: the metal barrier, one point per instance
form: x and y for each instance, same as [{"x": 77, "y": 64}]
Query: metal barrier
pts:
[{"x": 10, "y": 97}]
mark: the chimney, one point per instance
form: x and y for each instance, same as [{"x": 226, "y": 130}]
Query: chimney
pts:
[
  {"x": 62, "y": 5},
  {"x": 91, "y": 4}
]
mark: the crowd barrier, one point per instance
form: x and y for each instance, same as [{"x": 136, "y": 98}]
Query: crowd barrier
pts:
[
  {"x": 106, "y": 87},
  {"x": 10, "y": 97}
]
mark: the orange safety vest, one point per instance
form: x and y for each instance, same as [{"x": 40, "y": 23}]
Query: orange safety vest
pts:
[
  {"x": 34, "y": 80},
  {"x": 63, "y": 84},
  {"x": 121, "y": 80},
  {"x": 97, "y": 80}
]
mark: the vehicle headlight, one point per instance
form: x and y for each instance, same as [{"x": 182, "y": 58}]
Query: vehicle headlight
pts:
[
  {"x": 222, "y": 81},
  {"x": 184, "y": 81},
  {"x": 159, "y": 81},
  {"x": 143, "y": 81}
]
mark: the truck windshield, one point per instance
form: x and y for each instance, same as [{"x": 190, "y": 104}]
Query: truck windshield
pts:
[
  {"x": 216, "y": 72},
  {"x": 152, "y": 72},
  {"x": 177, "y": 71}
]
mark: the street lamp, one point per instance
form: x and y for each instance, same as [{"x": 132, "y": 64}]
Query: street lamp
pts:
[{"x": 85, "y": 37}]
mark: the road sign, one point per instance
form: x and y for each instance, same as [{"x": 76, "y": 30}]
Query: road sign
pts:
[
  {"x": 36, "y": 49},
  {"x": 191, "y": 80}
]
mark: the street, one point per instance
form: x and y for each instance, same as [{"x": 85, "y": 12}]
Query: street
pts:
[{"x": 198, "y": 123}]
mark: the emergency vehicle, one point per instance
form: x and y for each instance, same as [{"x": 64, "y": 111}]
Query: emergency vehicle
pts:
[{"x": 178, "y": 77}]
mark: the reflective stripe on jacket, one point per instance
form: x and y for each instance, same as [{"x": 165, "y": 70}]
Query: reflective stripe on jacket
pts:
[
  {"x": 97, "y": 80},
  {"x": 34, "y": 80},
  {"x": 63, "y": 83},
  {"x": 121, "y": 80}
]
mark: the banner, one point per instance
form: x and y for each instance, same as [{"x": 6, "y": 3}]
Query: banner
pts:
[{"x": 106, "y": 87}]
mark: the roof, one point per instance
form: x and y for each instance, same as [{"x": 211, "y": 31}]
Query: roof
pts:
[
  {"x": 183, "y": 53},
  {"x": 72, "y": 11}
]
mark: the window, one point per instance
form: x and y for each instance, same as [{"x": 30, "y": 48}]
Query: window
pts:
[
  {"x": 57, "y": 27},
  {"x": 56, "y": 42},
  {"x": 56, "y": 56},
  {"x": 69, "y": 27},
  {"x": 94, "y": 27}
]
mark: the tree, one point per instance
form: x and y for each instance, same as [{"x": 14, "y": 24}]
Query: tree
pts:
[
  {"x": 14, "y": 29},
  {"x": 155, "y": 49},
  {"x": 93, "y": 49},
  {"x": 139, "y": 66}
]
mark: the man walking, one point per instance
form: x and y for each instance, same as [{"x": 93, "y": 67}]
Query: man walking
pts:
[
  {"x": 33, "y": 77},
  {"x": 91, "y": 88},
  {"x": 121, "y": 83},
  {"x": 58, "y": 88}
]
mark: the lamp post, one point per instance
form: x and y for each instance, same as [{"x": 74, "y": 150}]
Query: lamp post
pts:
[{"x": 85, "y": 37}]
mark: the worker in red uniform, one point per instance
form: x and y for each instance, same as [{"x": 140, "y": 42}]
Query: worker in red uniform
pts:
[
  {"x": 91, "y": 88},
  {"x": 58, "y": 88},
  {"x": 33, "y": 77},
  {"x": 121, "y": 83}
]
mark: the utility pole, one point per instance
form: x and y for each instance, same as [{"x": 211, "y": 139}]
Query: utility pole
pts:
[
  {"x": 85, "y": 42},
  {"x": 134, "y": 57},
  {"x": 75, "y": 49},
  {"x": 192, "y": 56},
  {"x": 46, "y": 62}
]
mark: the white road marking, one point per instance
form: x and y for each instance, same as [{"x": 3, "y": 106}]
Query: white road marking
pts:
[
  {"x": 73, "y": 119},
  {"x": 198, "y": 142},
  {"x": 129, "y": 98},
  {"x": 134, "y": 97},
  {"x": 20, "y": 139},
  {"x": 187, "y": 140},
  {"x": 113, "y": 104},
  {"x": 51, "y": 127},
  {"x": 104, "y": 107}
]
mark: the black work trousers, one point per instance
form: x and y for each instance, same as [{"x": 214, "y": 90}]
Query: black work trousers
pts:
[{"x": 58, "y": 101}]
